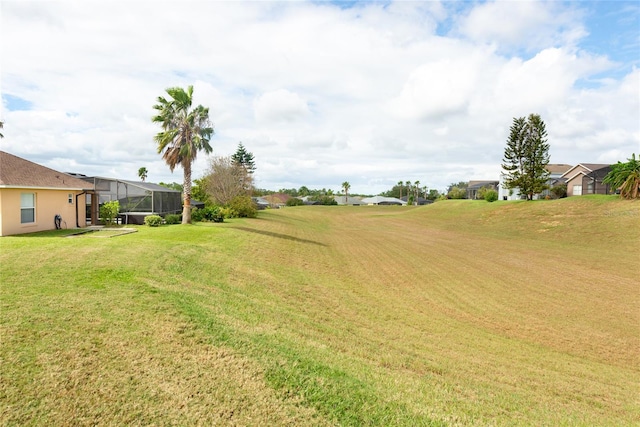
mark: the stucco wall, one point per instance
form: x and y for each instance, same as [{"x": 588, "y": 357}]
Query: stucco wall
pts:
[{"x": 48, "y": 204}]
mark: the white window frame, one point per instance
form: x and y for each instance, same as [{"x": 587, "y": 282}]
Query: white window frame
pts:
[
  {"x": 70, "y": 198},
  {"x": 577, "y": 190},
  {"x": 26, "y": 205}
]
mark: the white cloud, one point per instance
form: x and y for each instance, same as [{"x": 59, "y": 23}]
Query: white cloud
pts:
[{"x": 279, "y": 106}]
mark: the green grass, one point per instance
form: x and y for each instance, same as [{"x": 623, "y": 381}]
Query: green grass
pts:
[{"x": 457, "y": 313}]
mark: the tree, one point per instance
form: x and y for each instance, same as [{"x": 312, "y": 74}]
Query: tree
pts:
[
  {"x": 1, "y": 127},
  {"x": 400, "y": 187},
  {"x": 625, "y": 177},
  {"x": 142, "y": 173},
  {"x": 303, "y": 191},
  {"x": 526, "y": 156},
  {"x": 226, "y": 180},
  {"x": 346, "y": 186},
  {"x": 244, "y": 158},
  {"x": 186, "y": 131},
  {"x": 416, "y": 187}
]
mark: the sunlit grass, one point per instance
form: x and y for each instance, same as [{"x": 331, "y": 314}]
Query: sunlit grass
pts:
[{"x": 459, "y": 312}]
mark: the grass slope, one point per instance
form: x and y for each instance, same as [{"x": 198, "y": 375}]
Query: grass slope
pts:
[{"x": 457, "y": 313}]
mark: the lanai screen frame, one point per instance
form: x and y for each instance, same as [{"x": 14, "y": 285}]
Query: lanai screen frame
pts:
[{"x": 137, "y": 197}]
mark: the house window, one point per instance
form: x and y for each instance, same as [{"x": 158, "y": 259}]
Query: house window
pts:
[
  {"x": 70, "y": 198},
  {"x": 27, "y": 208},
  {"x": 577, "y": 190}
]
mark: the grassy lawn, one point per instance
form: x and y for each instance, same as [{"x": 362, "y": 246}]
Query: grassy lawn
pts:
[{"x": 457, "y": 313}]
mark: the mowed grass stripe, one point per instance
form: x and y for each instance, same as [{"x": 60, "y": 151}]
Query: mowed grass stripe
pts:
[{"x": 456, "y": 313}]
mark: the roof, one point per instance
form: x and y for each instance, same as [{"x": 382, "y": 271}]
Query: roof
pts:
[
  {"x": 16, "y": 172},
  {"x": 590, "y": 167},
  {"x": 380, "y": 200},
  {"x": 480, "y": 184},
  {"x": 140, "y": 184},
  {"x": 557, "y": 168}
]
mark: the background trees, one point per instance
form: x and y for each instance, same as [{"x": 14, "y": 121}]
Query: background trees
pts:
[
  {"x": 526, "y": 156},
  {"x": 625, "y": 177},
  {"x": 186, "y": 131},
  {"x": 225, "y": 180},
  {"x": 142, "y": 173}
]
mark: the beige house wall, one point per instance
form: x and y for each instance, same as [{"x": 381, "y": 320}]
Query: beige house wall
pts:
[
  {"x": 576, "y": 180},
  {"x": 48, "y": 204}
]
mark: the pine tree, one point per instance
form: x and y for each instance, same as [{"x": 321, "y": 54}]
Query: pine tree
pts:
[
  {"x": 526, "y": 156},
  {"x": 244, "y": 158}
]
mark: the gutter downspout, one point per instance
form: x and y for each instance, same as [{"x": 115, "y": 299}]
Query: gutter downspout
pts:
[{"x": 77, "y": 218}]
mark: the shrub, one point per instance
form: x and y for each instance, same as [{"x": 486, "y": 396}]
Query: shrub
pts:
[
  {"x": 294, "y": 201},
  {"x": 208, "y": 213},
  {"x": 491, "y": 195},
  {"x": 244, "y": 207},
  {"x": 228, "y": 212},
  {"x": 559, "y": 191},
  {"x": 153, "y": 220},
  {"x": 173, "y": 219},
  {"x": 109, "y": 211}
]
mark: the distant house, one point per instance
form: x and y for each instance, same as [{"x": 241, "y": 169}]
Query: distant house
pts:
[
  {"x": 260, "y": 202},
  {"x": 474, "y": 187},
  {"x": 421, "y": 201},
  {"x": 586, "y": 178},
  {"x": 380, "y": 200},
  {"x": 36, "y": 198},
  {"x": 348, "y": 200},
  {"x": 556, "y": 171},
  {"x": 277, "y": 200}
]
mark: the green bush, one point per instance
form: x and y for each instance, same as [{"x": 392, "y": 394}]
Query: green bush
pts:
[
  {"x": 173, "y": 219},
  {"x": 294, "y": 201},
  {"x": 208, "y": 213},
  {"x": 153, "y": 220},
  {"x": 559, "y": 191},
  {"x": 491, "y": 195},
  {"x": 244, "y": 207},
  {"x": 109, "y": 211}
]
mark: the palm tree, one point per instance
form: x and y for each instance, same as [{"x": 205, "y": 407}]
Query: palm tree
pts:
[
  {"x": 142, "y": 173},
  {"x": 1, "y": 127},
  {"x": 346, "y": 186},
  {"x": 417, "y": 189},
  {"x": 400, "y": 185},
  {"x": 625, "y": 177},
  {"x": 186, "y": 131}
]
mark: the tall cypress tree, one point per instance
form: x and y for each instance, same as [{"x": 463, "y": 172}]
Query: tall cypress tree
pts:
[{"x": 526, "y": 156}]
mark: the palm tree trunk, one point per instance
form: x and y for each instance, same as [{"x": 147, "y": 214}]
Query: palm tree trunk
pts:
[{"x": 186, "y": 186}]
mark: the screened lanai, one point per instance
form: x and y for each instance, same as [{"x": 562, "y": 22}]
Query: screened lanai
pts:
[{"x": 137, "y": 199}]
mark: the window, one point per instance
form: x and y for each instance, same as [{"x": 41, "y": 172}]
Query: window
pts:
[
  {"x": 577, "y": 190},
  {"x": 27, "y": 208},
  {"x": 70, "y": 198}
]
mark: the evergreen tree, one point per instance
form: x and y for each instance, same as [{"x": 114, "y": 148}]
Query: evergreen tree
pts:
[
  {"x": 244, "y": 158},
  {"x": 526, "y": 156}
]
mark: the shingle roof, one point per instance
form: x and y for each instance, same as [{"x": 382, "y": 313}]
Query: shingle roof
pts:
[
  {"x": 558, "y": 168},
  {"x": 20, "y": 173}
]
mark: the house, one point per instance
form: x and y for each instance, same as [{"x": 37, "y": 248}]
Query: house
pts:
[
  {"x": 556, "y": 171},
  {"x": 348, "y": 200},
  {"x": 380, "y": 200},
  {"x": 474, "y": 187},
  {"x": 586, "y": 178},
  {"x": 36, "y": 198},
  {"x": 421, "y": 200},
  {"x": 277, "y": 200}
]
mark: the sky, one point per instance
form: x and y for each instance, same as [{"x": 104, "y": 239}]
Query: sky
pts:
[{"x": 371, "y": 93}]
